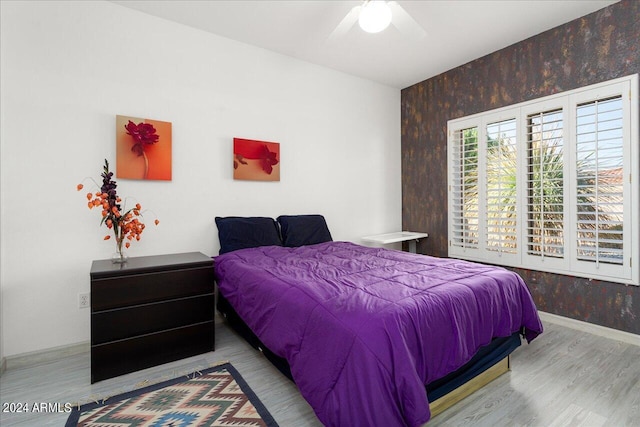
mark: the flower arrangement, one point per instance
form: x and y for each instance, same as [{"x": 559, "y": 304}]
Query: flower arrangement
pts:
[{"x": 124, "y": 222}]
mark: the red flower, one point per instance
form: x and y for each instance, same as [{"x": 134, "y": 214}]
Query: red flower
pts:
[
  {"x": 143, "y": 134},
  {"x": 268, "y": 159}
]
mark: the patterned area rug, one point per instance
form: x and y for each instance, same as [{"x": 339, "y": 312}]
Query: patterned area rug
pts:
[{"x": 216, "y": 396}]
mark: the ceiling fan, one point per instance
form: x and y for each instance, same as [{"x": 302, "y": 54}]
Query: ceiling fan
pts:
[{"x": 374, "y": 16}]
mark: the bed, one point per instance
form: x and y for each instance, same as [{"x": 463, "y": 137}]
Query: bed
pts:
[{"x": 369, "y": 335}]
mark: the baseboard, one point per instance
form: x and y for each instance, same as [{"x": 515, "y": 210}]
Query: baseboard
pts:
[
  {"x": 602, "y": 331},
  {"x": 43, "y": 356},
  {"x": 3, "y": 365}
]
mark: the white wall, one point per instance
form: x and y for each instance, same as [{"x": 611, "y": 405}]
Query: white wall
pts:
[{"x": 68, "y": 68}]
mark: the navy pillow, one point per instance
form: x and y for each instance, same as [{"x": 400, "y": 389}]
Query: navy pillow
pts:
[
  {"x": 300, "y": 230},
  {"x": 246, "y": 232}
]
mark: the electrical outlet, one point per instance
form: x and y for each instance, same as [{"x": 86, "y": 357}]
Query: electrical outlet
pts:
[{"x": 83, "y": 300}]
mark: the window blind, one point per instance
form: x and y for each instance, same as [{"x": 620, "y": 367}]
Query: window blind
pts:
[
  {"x": 465, "y": 188},
  {"x": 551, "y": 184},
  {"x": 545, "y": 184},
  {"x": 501, "y": 173},
  {"x": 599, "y": 172}
]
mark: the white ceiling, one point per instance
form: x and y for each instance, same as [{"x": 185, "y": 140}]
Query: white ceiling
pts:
[{"x": 456, "y": 31}]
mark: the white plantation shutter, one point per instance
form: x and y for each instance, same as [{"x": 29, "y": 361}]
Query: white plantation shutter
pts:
[
  {"x": 551, "y": 184},
  {"x": 500, "y": 181},
  {"x": 464, "y": 188},
  {"x": 545, "y": 184},
  {"x": 600, "y": 181}
]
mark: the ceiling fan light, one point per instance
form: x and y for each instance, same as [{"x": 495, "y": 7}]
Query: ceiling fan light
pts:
[{"x": 375, "y": 16}]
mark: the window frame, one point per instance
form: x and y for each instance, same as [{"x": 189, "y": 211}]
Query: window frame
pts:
[
  {"x": 470, "y": 251},
  {"x": 628, "y": 271},
  {"x": 527, "y": 110},
  {"x": 497, "y": 256}
]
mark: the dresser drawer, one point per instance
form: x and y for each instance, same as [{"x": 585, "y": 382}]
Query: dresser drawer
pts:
[
  {"x": 150, "y": 310},
  {"x": 141, "y": 288},
  {"x": 124, "y": 356},
  {"x": 117, "y": 324}
]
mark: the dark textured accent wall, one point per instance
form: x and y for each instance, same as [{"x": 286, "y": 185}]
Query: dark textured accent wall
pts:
[{"x": 595, "y": 48}]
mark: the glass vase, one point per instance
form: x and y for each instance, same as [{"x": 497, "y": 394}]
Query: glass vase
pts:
[{"x": 119, "y": 256}]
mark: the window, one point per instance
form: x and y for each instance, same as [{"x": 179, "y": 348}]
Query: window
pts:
[
  {"x": 599, "y": 165},
  {"x": 550, "y": 184},
  {"x": 500, "y": 187},
  {"x": 545, "y": 184},
  {"x": 465, "y": 184}
]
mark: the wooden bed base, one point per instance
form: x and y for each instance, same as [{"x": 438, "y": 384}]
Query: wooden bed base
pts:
[{"x": 448, "y": 400}]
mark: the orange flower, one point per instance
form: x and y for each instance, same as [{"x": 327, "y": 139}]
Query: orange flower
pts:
[{"x": 123, "y": 221}]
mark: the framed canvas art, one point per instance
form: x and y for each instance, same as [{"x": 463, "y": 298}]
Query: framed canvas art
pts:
[
  {"x": 143, "y": 148},
  {"x": 256, "y": 160}
]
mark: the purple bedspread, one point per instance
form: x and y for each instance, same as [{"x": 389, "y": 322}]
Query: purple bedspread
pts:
[{"x": 364, "y": 329}]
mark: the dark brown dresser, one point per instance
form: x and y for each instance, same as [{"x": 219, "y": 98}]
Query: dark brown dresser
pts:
[{"x": 150, "y": 310}]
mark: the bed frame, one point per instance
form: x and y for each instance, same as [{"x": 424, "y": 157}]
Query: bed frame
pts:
[{"x": 488, "y": 364}]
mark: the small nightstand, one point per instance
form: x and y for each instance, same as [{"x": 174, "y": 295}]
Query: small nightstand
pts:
[
  {"x": 150, "y": 310},
  {"x": 401, "y": 236}
]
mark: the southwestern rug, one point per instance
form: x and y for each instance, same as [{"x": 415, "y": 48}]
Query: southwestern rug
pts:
[{"x": 216, "y": 396}]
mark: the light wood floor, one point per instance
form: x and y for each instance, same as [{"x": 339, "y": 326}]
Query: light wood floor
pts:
[{"x": 564, "y": 378}]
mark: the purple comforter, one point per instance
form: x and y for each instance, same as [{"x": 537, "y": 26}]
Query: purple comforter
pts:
[{"x": 364, "y": 329}]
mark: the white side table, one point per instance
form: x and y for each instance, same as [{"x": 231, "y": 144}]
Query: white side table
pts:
[{"x": 400, "y": 236}]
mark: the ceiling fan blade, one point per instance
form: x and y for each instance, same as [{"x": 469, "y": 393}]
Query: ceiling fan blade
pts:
[
  {"x": 346, "y": 24},
  {"x": 404, "y": 22}
]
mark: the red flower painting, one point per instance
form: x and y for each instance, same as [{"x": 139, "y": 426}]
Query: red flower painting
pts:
[
  {"x": 256, "y": 160},
  {"x": 143, "y": 148}
]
